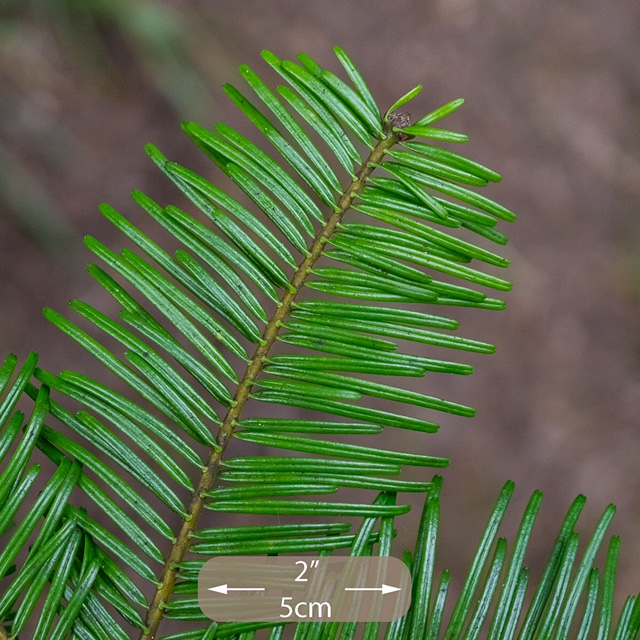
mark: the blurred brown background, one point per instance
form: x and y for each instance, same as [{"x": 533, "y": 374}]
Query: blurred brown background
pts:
[{"x": 553, "y": 104}]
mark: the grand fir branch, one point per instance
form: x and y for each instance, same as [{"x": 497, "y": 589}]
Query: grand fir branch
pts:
[{"x": 209, "y": 476}]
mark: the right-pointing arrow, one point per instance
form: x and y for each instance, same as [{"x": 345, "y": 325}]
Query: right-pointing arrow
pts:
[{"x": 385, "y": 588}]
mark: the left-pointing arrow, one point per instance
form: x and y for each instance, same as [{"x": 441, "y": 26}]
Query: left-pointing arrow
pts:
[{"x": 223, "y": 588}]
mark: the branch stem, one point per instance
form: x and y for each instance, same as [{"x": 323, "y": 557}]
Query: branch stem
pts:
[{"x": 206, "y": 482}]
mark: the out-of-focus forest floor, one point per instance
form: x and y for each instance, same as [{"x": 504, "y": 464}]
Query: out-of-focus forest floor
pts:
[{"x": 553, "y": 104}]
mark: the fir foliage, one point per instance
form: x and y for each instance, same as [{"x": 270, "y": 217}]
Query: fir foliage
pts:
[{"x": 307, "y": 289}]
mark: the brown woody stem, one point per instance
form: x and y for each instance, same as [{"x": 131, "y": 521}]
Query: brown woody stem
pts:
[{"x": 206, "y": 482}]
